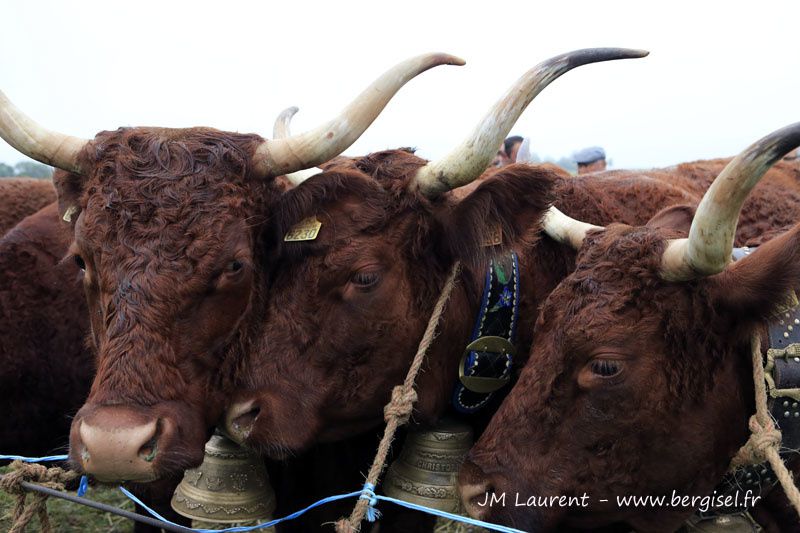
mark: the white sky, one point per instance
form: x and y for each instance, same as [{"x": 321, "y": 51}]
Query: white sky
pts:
[{"x": 720, "y": 74}]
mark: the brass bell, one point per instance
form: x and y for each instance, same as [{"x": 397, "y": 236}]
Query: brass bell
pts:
[
  {"x": 425, "y": 473},
  {"x": 230, "y": 486}
]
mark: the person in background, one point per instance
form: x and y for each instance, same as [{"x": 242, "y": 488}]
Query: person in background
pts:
[
  {"x": 511, "y": 147},
  {"x": 592, "y": 159},
  {"x": 500, "y": 158},
  {"x": 507, "y": 153}
]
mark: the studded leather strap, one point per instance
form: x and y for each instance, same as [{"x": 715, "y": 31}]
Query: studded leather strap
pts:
[
  {"x": 497, "y": 317},
  {"x": 782, "y": 368}
]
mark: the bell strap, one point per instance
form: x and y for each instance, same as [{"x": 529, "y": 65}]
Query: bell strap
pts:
[{"x": 487, "y": 362}]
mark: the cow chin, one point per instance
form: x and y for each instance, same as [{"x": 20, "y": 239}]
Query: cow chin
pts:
[{"x": 122, "y": 443}]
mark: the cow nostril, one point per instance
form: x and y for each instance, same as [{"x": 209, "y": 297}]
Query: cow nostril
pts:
[
  {"x": 489, "y": 495},
  {"x": 149, "y": 449},
  {"x": 478, "y": 498},
  {"x": 243, "y": 423},
  {"x": 240, "y": 420}
]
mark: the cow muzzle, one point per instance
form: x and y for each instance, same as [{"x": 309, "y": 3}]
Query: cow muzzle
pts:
[
  {"x": 116, "y": 443},
  {"x": 475, "y": 490}
]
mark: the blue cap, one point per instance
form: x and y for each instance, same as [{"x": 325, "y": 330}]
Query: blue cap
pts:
[{"x": 587, "y": 156}]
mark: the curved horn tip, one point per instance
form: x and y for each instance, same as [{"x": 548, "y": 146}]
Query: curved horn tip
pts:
[
  {"x": 281, "y": 128},
  {"x": 637, "y": 52},
  {"x": 596, "y": 55},
  {"x": 447, "y": 59},
  {"x": 289, "y": 112}
]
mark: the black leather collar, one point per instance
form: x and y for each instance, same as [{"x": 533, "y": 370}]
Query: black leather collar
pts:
[
  {"x": 487, "y": 361},
  {"x": 782, "y": 372}
]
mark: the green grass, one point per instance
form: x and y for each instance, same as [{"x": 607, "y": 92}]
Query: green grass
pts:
[{"x": 67, "y": 517}]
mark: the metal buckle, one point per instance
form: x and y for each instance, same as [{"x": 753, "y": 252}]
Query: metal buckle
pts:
[
  {"x": 792, "y": 351},
  {"x": 484, "y": 385}
]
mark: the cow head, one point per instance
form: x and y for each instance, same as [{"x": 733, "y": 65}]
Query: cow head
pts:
[
  {"x": 169, "y": 229},
  {"x": 640, "y": 381},
  {"x": 346, "y": 310}
]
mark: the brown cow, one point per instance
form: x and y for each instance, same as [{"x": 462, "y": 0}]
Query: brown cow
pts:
[
  {"x": 640, "y": 381},
  {"x": 46, "y": 371},
  {"x": 345, "y": 311},
  {"x": 168, "y": 227},
  {"x": 20, "y": 197}
]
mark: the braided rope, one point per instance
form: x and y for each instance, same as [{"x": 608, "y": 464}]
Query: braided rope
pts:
[
  {"x": 765, "y": 441},
  {"x": 54, "y": 478},
  {"x": 397, "y": 412}
]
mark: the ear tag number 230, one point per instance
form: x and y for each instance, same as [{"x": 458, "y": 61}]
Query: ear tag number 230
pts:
[{"x": 305, "y": 230}]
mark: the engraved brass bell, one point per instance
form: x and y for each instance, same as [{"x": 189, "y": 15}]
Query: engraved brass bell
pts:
[
  {"x": 425, "y": 473},
  {"x": 230, "y": 486}
]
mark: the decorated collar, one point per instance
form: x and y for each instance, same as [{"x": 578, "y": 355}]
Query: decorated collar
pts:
[
  {"x": 782, "y": 374},
  {"x": 486, "y": 364}
]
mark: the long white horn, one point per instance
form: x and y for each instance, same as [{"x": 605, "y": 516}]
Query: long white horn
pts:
[
  {"x": 283, "y": 156},
  {"x": 470, "y": 158},
  {"x": 43, "y": 145},
  {"x": 708, "y": 249}
]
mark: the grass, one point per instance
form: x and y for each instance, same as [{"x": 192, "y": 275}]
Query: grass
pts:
[{"x": 67, "y": 517}]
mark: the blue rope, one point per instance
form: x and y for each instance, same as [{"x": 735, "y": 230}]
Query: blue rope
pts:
[
  {"x": 247, "y": 528},
  {"x": 450, "y": 516},
  {"x": 33, "y": 459},
  {"x": 83, "y": 486},
  {"x": 367, "y": 493}
]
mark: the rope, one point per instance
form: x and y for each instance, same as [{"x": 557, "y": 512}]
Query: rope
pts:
[
  {"x": 360, "y": 493},
  {"x": 54, "y": 478},
  {"x": 765, "y": 441},
  {"x": 397, "y": 413}
]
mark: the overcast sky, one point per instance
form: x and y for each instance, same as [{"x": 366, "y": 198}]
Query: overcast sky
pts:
[{"x": 719, "y": 75}]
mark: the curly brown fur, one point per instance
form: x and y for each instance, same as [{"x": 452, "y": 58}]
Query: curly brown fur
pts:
[{"x": 161, "y": 215}]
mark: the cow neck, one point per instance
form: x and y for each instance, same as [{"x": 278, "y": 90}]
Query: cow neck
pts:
[
  {"x": 488, "y": 359},
  {"x": 782, "y": 375}
]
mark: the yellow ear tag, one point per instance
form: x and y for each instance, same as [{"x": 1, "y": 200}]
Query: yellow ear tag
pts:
[
  {"x": 494, "y": 237},
  {"x": 305, "y": 230},
  {"x": 71, "y": 210}
]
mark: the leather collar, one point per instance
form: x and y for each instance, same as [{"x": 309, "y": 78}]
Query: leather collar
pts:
[{"x": 487, "y": 362}]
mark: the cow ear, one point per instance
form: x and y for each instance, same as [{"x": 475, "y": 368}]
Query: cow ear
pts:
[
  {"x": 69, "y": 188},
  {"x": 758, "y": 287},
  {"x": 504, "y": 212},
  {"x": 676, "y": 217}
]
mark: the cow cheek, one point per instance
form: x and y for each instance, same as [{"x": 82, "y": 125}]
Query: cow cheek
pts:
[{"x": 211, "y": 325}]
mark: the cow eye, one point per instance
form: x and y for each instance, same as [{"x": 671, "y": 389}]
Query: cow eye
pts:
[
  {"x": 366, "y": 280},
  {"x": 606, "y": 368},
  {"x": 79, "y": 261},
  {"x": 235, "y": 266}
]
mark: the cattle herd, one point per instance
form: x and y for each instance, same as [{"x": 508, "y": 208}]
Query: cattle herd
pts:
[{"x": 156, "y": 295}]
